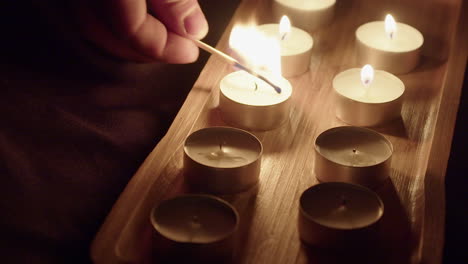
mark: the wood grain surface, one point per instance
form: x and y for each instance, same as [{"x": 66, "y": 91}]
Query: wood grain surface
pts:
[{"x": 412, "y": 229}]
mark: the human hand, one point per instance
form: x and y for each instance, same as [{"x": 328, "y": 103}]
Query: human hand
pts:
[{"x": 144, "y": 31}]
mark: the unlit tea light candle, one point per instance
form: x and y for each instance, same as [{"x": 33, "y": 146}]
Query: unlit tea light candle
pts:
[
  {"x": 295, "y": 44},
  {"x": 201, "y": 225},
  {"x": 305, "y": 14},
  {"x": 352, "y": 154},
  {"x": 250, "y": 103},
  {"x": 194, "y": 219},
  {"x": 390, "y": 46},
  {"x": 337, "y": 214},
  {"x": 365, "y": 97},
  {"x": 222, "y": 159}
]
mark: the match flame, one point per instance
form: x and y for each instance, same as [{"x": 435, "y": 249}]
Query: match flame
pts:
[
  {"x": 367, "y": 75},
  {"x": 257, "y": 50},
  {"x": 390, "y": 26},
  {"x": 284, "y": 27}
]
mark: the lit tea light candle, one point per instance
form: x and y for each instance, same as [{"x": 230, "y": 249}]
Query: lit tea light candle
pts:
[
  {"x": 335, "y": 214},
  {"x": 390, "y": 46},
  {"x": 245, "y": 100},
  {"x": 199, "y": 225},
  {"x": 296, "y": 46},
  {"x": 365, "y": 97},
  {"x": 352, "y": 154},
  {"x": 222, "y": 160},
  {"x": 250, "y": 103},
  {"x": 308, "y": 15}
]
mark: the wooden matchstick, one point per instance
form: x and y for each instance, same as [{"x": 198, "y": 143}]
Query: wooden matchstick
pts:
[{"x": 234, "y": 62}]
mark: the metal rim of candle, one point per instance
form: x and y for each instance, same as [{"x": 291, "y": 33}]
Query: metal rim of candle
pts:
[
  {"x": 288, "y": 92},
  {"x": 246, "y": 105},
  {"x": 390, "y": 75},
  {"x": 363, "y": 26},
  {"x": 254, "y": 116},
  {"x": 191, "y": 197},
  {"x": 255, "y": 139},
  {"x": 367, "y": 130},
  {"x": 350, "y": 185},
  {"x": 286, "y": 4}
]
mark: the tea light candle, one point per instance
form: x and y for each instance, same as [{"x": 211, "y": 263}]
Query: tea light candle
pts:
[
  {"x": 352, "y": 154},
  {"x": 336, "y": 214},
  {"x": 308, "y": 15},
  {"x": 295, "y": 44},
  {"x": 250, "y": 103},
  {"x": 201, "y": 223},
  {"x": 222, "y": 159},
  {"x": 367, "y": 98},
  {"x": 390, "y": 46}
]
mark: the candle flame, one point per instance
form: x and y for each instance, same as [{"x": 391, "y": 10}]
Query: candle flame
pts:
[
  {"x": 367, "y": 75},
  {"x": 390, "y": 26},
  {"x": 257, "y": 50},
  {"x": 284, "y": 27}
]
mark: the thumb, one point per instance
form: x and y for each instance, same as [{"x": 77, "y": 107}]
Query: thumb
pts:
[{"x": 183, "y": 17}]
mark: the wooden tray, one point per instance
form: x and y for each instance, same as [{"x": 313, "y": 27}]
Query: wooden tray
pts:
[{"x": 412, "y": 229}]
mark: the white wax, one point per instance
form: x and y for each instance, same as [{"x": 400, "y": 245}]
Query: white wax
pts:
[
  {"x": 307, "y": 5},
  {"x": 247, "y": 89},
  {"x": 194, "y": 219},
  {"x": 309, "y": 15},
  {"x": 405, "y": 39},
  {"x": 341, "y": 205},
  {"x": 353, "y": 146},
  {"x": 222, "y": 147},
  {"x": 385, "y": 87},
  {"x": 297, "y": 41}
]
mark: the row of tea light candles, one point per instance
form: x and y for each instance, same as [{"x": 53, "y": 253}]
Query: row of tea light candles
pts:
[
  {"x": 224, "y": 160},
  {"x": 364, "y": 97}
]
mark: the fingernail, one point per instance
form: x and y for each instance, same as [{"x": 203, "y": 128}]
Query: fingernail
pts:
[{"x": 195, "y": 24}]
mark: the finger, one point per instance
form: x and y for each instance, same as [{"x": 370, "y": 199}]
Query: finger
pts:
[
  {"x": 148, "y": 35},
  {"x": 96, "y": 30},
  {"x": 135, "y": 35},
  {"x": 155, "y": 41},
  {"x": 184, "y": 17}
]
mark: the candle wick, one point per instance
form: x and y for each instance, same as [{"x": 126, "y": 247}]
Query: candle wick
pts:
[
  {"x": 261, "y": 77},
  {"x": 390, "y": 35},
  {"x": 367, "y": 84},
  {"x": 343, "y": 200},
  {"x": 220, "y": 146},
  {"x": 195, "y": 218},
  {"x": 283, "y": 36},
  {"x": 195, "y": 227},
  {"x": 256, "y": 86},
  {"x": 354, "y": 151}
]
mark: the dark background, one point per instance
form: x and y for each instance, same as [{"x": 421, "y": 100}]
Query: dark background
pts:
[
  {"x": 456, "y": 182},
  {"x": 29, "y": 43}
]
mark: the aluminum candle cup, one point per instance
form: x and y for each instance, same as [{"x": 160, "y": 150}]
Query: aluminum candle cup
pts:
[
  {"x": 222, "y": 160},
  {"x": 352, "y": 154},
  {"x": 194, "y": 227},
  {"x": 296, "y": 47},
  {"x": 250, "y": 103},
  {"x": 397, "y": 55},
  {"x": 378, "y": 103},
  {"x": 337, "y": 215},
  {"x": 307, "y": 15}
]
